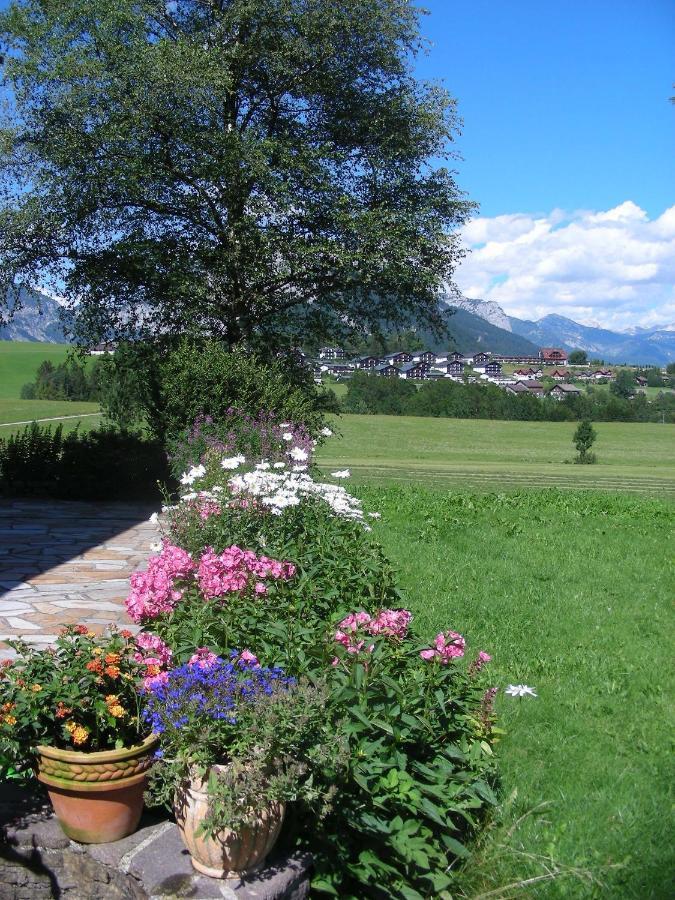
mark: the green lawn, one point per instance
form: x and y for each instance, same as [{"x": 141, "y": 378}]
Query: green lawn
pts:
[
  {"x": 570, "y": 593},
  {"x": 12, "y": 411},
  {"x": 19, "y": 362},
  {"x": 488, "y": 454}
]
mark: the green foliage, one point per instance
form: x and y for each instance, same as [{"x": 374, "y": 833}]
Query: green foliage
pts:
[
  {"x": 584, "y": 438},
  {"x": 369, "y": 394},
  {"x": 97, "y": 465},
  {"x": 69, "y": 380},
  {"x": 79, "y": 694},
  {"x": 623, "y": 384},
  {"x": 372, "y": 394},
  {"x": 416, "y": 779},
  {"x": 578, "y": 358},
  {"x": 255, "y": 170},
  {"x": 670, "y": 368},
  {"x": 169, "y": 390}
]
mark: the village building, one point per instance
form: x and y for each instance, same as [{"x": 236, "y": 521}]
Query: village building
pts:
[
  {"x": 516, "y": 388},
  {"x": 479, "y": 359},
  {"x": 522, "y": 360},
  {"x": 332, "y": 353},
  {"x": 387, "y": 370},
  {"x": 368, "y": 362},
  {"x": 102, "y": 348},
  {"x": 455, "y": 368},
  {"x": 534, "y": 387},
  {"x": 455, "y": 356},
  {"x": 398, "y": 358},
  {"x": 561, "y": 391},
  {"x": 553, "y": 356},
  {"x": 415, "y": 370},
  {"x": 339, "y": 370},
  {"x": 560, "y": 375},
  {"x": 493, "y": 368},
  {"x": 425, "y": 356}
]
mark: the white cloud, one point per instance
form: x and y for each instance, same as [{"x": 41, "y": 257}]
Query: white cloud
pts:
[{"x": 612, "y": 267}]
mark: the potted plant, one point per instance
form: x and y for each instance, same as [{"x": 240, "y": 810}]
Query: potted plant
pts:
[
  {"x": 71, "y": 713},
  {"x": 238, "y": 741}
]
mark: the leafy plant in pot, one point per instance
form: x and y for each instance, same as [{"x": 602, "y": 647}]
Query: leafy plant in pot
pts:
[
  {"x": 238, "y": 742},
  {"x": 71, "y": 714}
]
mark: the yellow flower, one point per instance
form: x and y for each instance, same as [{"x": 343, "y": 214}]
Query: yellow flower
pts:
[
  {"x": 80, "y": 735},
  {"x": 71, "y": 726},
  {"x": 36, "y": 688},
  {"x": 97, "y": 651},
  {"x": 9, "y": 720},
  {"x": 91, "y": 634},
  {"x": 117, "y": 711}
]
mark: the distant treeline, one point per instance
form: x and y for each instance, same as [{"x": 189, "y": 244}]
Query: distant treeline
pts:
[
  {"x": 69, "y": 380},
  {"x": 457, "y": 400}
]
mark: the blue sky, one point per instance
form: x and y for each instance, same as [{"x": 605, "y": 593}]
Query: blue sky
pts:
[{"x": 569, "y": 148}]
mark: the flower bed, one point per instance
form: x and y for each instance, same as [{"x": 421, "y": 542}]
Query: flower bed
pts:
[{"x": 261, "y": 555}]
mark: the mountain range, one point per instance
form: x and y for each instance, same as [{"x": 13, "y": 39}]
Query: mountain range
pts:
[
  {"x": 39, "y": 319},
  {"x": 472, "y": 324}
]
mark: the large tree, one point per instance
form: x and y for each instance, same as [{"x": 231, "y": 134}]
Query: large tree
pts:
[{"x": 243, "y": 169}]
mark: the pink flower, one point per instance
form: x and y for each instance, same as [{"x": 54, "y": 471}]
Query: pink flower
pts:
[
  {"x": 203, "y": 657},
  {"x": 154, "y": 681},
  {"x": 391, "y": 622},
  {"x": 249, "y": 659},
  {"x": 235, "y": 568},
  {"x": 447, "y": 645},
  {"x": 153, "y": 592},
  {"x": 155, "y": 646},
  {"x": 478, "y": 663}
]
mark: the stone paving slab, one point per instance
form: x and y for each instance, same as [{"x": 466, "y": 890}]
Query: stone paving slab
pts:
[{"x": 66, "y": 562}]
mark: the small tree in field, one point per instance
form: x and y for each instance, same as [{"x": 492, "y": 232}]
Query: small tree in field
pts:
[{"x": 583, "y": 439}]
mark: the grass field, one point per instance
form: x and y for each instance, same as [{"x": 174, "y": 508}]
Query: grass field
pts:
[
  {"x": 570, "y": 593},
  {"x": 488, "y": 454},
  {"x": 19, "y": 362}
]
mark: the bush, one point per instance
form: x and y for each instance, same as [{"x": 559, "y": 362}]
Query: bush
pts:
[
  {"x": 168, "y": 390},
  {"x": 98, "y": 465},
  {"x": 314, "y": 594}
]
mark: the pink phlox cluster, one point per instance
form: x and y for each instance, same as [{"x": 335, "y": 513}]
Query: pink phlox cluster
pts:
[
  {"x": 391, "y": 622},
  {"x": 154, "y": 681},
  {"x": 153, "y": 592},
  {"x": 481, "y": 660},
  {"x": 248, "y": 659},
  {"x": 156, "y": 651},
  {"x": 203, "y": 658},
  {"x": 207, "y": 507},
  {"x": 388, "y": 622},
  {"x": 233, "y": 570},
  {"x": 447, "y": 645}
]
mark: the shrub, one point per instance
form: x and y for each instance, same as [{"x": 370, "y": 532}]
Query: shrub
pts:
[
  {"x": 104, "y": 464},
  {"x": 414, "y": 717},
  {"x": 583, "y": 439}
]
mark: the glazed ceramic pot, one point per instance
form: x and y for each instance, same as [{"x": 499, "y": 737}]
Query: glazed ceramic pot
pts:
[
  {"x": 97, "y": 797},
  {"x": 228, "y": 854}
]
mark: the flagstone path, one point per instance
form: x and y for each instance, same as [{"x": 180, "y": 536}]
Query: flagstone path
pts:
[{"x": 64, "y": 562}]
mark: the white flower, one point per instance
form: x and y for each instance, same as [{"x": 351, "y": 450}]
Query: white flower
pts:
[
  {"x": 520, "y": 690},
  {"x": 192, "y": 495},
  {"x": 154, "y": 518},
  {"x": 279, "y": 465},
  {"x": 299, "y": 468},
  {"x": 217, "y": 489},
  {"x": 191, "y": 476},
  {"x": 375, "y": 515},
  {"x": 287, "y": 436},
  {"x": 343, "y": 473},
  {"x": 298, "y": 454},
  {"x": 232, "y": 462},
  {"x": 285, "y": 425},
  {"x": 263, "y": 466},
  {"x": 156, "y": 547},
  {"x": 326, "y": 432}
]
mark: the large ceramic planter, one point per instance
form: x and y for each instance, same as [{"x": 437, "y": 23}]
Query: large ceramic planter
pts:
[
  {"x": 229, "y": 854},
  {"x": 97, "y": 797}
]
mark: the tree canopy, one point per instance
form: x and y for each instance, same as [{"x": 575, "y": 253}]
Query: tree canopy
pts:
[{"x": 249, "y": 170}]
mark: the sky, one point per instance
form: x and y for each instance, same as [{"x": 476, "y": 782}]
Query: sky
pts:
[{"x": 568, "y": 145}]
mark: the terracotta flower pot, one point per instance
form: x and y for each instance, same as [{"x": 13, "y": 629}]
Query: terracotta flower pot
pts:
[
  {"x": 97, "y": 797},
  {"x": 229, "y": 854}
]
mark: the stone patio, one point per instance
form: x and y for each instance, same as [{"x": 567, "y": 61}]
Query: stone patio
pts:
[{"x": 63, "y": 562}]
